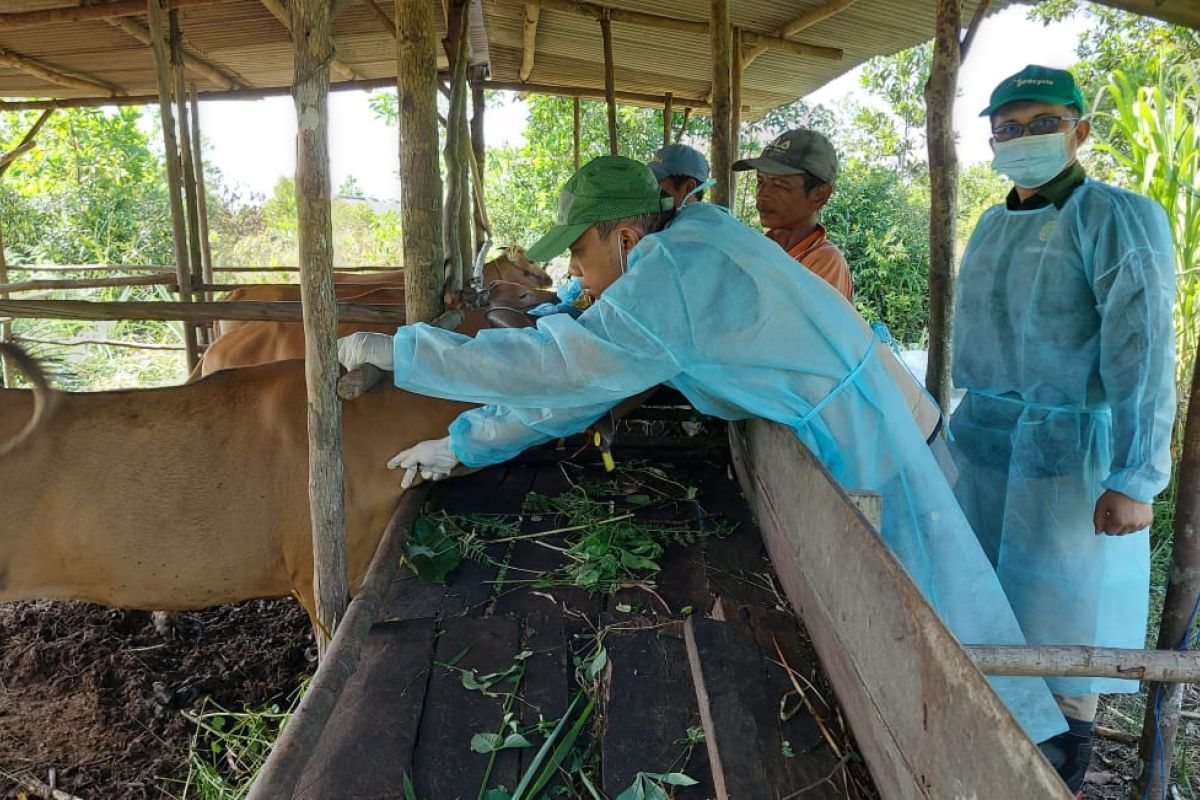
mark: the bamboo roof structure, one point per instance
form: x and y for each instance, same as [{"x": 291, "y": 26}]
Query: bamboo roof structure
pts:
[{"x": 96, "y": 52}]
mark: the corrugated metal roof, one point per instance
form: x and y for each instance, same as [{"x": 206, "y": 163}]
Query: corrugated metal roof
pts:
[{"x": 243, "y": 39}]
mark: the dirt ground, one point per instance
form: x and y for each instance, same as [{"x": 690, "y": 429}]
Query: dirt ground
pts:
[
  {"x": 1114, "y": 763},
  {"x": 96, "y": 694}
]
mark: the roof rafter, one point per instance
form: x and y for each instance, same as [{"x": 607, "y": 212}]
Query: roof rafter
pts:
[
  {"x": 44, "y": 71},
  {"x": 85, "y": 13},
  {"x": 387, "y": 22},
  {"x": 280, "y": 13},
  {"x": 529, "y": 39},
  {"x": 193, "y": 59},
  {"x": 800, "y": 23},
  {"x": 596, "y": 11}
]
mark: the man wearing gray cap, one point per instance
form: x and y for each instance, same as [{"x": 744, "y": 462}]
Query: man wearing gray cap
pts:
[
  {"x": 681, "y": 172},
  {"x": 795, "y": 180}
]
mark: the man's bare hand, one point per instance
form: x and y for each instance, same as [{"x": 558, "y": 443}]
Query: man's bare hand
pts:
[{"x": 1117, "y": 515}]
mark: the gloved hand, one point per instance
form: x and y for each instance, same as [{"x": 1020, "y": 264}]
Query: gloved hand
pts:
[
  {"x": 365, "y": 348},
  {"x": 433, "y": 459}
]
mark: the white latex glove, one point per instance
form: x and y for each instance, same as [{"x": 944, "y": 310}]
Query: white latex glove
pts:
[
  {"x": 433, "y": 459},
  {"x": 365, "y": 348}
]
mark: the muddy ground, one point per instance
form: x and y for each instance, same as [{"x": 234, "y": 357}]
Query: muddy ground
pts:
[{"x": 97, "y": 695}]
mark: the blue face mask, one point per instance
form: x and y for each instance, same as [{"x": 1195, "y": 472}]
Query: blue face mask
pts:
[
  {"x": 699, "y": 188},
  {"x": 1032, "y": 161}
]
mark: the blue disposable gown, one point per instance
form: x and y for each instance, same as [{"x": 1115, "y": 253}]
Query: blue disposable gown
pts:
[
  {"x": 722, "y": 314},
  {"x": 1063, "y": 339}
]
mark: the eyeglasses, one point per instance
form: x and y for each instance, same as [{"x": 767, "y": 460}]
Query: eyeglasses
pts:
[{"x": 1039, "y": 127}]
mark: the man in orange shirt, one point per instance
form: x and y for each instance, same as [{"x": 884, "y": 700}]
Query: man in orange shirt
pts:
[{"x": 795, "y": 180}]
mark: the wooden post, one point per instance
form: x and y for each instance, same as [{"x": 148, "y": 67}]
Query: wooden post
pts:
[
  {"x": 187, "y": 162},
  {"x": 479, "y": 150},
  {"x": 201, "y": 197},
  {"x": 943, "y": 181},
  {"x": 610, "y": 85},
  {"x": 454, "y": 221},
  {"x": 6, "y": 326},
  {"x": 420, "y": 172},
  {"x": 668, "y": 119},
  {"x": 687, "y": 116},
  {"x": 311, "y": 22},
  {"x": 1155, "y": 753},
  {"x": 575, "y": 133},
  {"x": 722, "y": 46},
  {"x": 162, "y": 71},
  {"x": 735, "y": 114}
]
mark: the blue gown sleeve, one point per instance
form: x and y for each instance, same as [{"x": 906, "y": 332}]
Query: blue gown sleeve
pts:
[
  {"x": 1134, "y": 282},
  {"x": 549, "y": 381},
  {"x": 494, "y": 434}
]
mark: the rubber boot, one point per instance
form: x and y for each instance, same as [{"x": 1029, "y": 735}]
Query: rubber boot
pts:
[{"x": 1070, "y": 753}]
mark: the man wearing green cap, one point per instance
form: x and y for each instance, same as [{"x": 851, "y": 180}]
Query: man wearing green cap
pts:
[
  {"x": 795, "y": 180},
  {"x": 695, "y": 299},
  {"x": 1063, "y": 340}
]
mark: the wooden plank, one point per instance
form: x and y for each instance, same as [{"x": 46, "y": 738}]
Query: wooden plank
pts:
[
  {"x": 721, "y": 153},
  {"x": 444, "y": 765},
  {"x": 737, "y": 710},
  {"x": 812, "y": 760},
  {"x": 610, "y": 84},
  {"x": 650, "y": 706},
  {"x": 895, "y": 689},
  {"x": 367, "y": 745},
  {"x": 192, "y": 312},
  {"x": 545, "y": 689}
]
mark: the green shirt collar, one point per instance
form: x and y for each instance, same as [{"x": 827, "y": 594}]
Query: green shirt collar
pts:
[{"x": 1056, "y": 191}]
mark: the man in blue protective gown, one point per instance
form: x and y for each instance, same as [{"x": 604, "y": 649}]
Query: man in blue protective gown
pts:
[
  {"x": 1063, "y": 340},
  {"x": 695, "y": 299}
]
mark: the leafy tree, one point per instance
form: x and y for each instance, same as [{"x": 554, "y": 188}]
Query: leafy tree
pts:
[{"x": 350, "y": 188}]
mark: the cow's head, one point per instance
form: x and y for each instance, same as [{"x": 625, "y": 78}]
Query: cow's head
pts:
[{"x": 512, "y": 265}]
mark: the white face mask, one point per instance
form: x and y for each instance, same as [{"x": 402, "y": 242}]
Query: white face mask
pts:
[{"x": 1032, "y": 161}]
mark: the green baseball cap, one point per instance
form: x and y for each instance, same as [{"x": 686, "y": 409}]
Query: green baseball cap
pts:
[
  {"x": 608, "y": 187},
  {"x": 794, "y": 153},
  {"x": 1036, "y": 83}
]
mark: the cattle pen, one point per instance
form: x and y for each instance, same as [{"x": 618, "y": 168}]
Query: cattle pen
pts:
[{"x": 728, "y": 59}]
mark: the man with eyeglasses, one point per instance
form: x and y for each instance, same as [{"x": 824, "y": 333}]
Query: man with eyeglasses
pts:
[
  {"x": 1063, "y": 340},
  {"x": 795, "y": 180}
]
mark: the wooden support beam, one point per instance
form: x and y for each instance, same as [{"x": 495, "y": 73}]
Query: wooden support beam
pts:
[
  {"x": 529, "y": 39},
  {"x": 722, "y": 47},
  {"x": 459, "y": 263},
  {"x": 668, "y": 118},
  {"x": 39, "y": 69},
  {"x": 483, "y": 226},
  {"x": 610, "y": 84},
  {"x": 687, "y": 116},
  {"x": 596, "y": 11},
  {"x": 576, "y": 133},
  {"x": 206, "y": 270},
  {"x": 160, "y": 46},
  {"x": 800, "y": 23},
  {"x": 277, "y": 9},
  {"x": 1178, "y": 622},
  {"x": 381, "y": 16},
  {"x": 43, "y": 284},
  {"x": 5, "y": 325},
  {"x": 150, "y": 99},
  {"x": 186, "y": 162},
  {"x": 940, "y": 91},
  {"x": 312, "y": 26},
  {"x": 981, "y": 11},
  {"x": 736, "y": 69},
  {"x": 420, "y": 172},
  {"x": 26, "y": 144},
  {"x": 189, "y": 312},
  {"x": 192, "y": 58},
  {"x": 1076, "y": 661},
  {"x": 588, "y": 92},
  {"x": 89, "y": 12},
  {"x": 285, "y": 764}
]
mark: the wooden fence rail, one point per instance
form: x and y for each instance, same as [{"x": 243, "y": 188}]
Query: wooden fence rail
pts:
[{"x": 188, "y": 312}]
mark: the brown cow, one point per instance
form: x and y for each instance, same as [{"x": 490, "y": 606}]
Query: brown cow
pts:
[
  {"x": 101, "y": 501},
  {"x": 510, "y": 267},
  {"x": 262, "y": 342}
]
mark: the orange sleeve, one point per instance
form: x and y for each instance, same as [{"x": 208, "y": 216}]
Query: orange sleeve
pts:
[{"x": 830, "y": 265}]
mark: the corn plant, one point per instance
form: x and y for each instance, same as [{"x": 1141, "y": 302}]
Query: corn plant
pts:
[{"x": 1155, "y": 138}]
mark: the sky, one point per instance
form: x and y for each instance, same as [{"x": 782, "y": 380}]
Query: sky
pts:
[{"x": 252, "y": 142}]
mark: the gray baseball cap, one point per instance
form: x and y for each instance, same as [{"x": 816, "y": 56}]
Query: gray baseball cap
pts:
[{"x": 794, "y": 153}]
